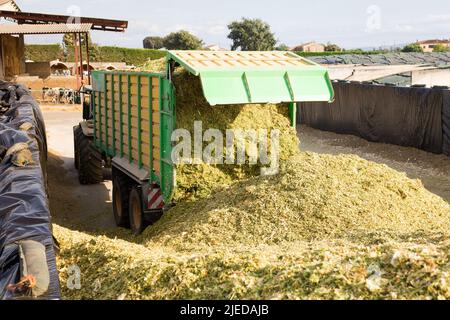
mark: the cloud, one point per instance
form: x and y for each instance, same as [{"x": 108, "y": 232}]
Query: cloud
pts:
[
  {"x": 404, "y": 28},
  {"x": 217, "y": 30},
  {"x": 143, "y": 27},
  {"x": 178, "y": 27},
  {"x": 438, "y": 18}
]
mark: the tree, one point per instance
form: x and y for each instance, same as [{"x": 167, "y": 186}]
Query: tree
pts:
[
  {"x": 330, "y": 47},
  {"x": 414, "y": 47},
  {"x": 282, "y": 47},
  {"x": 154, "y": 43},
  {"x": 68, "y": 47},
  {"x": 441, "y": 48},
  {"x": 182, "y": 40},
  {"x": 251, "y": 35}
]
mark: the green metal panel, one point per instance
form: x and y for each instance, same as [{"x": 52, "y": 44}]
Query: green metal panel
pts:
[
  {"x": 150, "y": 120},
  {"x": 311, "y": 85},
  {"x": 167, "y": 126},
  {"x": 121, "y": 115},
  {"x": 293, "y": 114},
  {"x": 113, "y": 109},
  {"x": 256, "y": 77},
  {"x": 106, "y": 116},
  {"x": 98, "y": 81},
  {"x": 233, "y": 87},
  {"x": 139, "y": 124},
  {"x": 130, "y": 147}
]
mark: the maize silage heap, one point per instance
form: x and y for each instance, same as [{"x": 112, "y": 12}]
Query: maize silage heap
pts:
[{"x": 325, "y": 227}]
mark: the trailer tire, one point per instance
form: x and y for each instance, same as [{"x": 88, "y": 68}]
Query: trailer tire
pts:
[
  {"x": 121, "y": 201},
  {"x": 137, "y": 224},
  {"x": 90, "y": 165},
  {"x": 77, "y": 132}
]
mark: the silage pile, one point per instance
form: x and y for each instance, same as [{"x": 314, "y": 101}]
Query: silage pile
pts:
[
  {"x": 325, "y": 227},
  {"x": 314, "y": 197}
]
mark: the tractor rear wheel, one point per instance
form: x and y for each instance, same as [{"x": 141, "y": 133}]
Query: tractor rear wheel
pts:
[
  {"x": 90, "y": 165},
  {"x": 77, "y": 132},
  {"x": 137, "y": 223},
  {"x": 121, "y": 201}
]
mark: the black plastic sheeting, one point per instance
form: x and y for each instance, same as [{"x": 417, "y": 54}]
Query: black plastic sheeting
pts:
[
  {"x": 446, "y": 123},
  {"x": 435, "y": 58},
  {"x": 24, "y": 210},
  {"x": 411, "y": 117}
]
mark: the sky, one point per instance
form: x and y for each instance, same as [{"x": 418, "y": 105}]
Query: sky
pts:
[{"x": 348, "y": 23}]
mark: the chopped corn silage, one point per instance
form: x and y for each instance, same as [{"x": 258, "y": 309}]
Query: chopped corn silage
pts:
[
  {"x": 313, "y": 197},
  {"x": 325, "y": 227},
  {"x": 116, "y": 269}
]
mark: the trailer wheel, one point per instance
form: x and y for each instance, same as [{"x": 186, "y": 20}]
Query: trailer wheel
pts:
[
  {"x": 90, "y": 166},
  {"x": 136, "y": 212},
  {"x": 77, "y": 132},
  {"x": 121, "y": 197}
]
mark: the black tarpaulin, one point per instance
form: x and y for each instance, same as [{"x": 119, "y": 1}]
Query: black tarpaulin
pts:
[
  {"x": 402, "y": 116},
  {"x": 446, "y": 122},
  {"x": 24, "y": 211}
]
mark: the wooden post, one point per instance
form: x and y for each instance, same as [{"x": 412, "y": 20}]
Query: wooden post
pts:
[
  {"x": 77, "y": 70},
  {"x": 80, "y": 47}
]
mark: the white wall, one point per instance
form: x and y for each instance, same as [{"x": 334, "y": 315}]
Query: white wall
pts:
[{"x": 437, "y": 77}]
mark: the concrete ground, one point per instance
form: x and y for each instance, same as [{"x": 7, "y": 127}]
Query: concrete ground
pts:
[
  {"x": 89, "y": 208},
  {"x": 82, "y": 208}
]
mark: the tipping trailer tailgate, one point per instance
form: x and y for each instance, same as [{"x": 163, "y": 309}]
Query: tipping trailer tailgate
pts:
[{"x": 256, "y": 77}]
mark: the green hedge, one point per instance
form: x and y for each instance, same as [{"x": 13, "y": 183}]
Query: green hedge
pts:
[
  {"x": 130, "y": 56},
  {"x": 135, "y": 57},
  {"x": 40, "y": 53}
]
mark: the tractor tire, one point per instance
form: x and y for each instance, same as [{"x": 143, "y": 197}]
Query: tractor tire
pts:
[
  {"x": 77, "y": 133},
  {"x": 121, "y": 201},
  {"x": 90, "y": 165},
  {"x": 137, "y": 223}
]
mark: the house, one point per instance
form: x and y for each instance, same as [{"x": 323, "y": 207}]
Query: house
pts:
[
  {"x": 429, "y": 45},
  {"x": 310, "y": 47},
  {"x": 214, "y": 47}
]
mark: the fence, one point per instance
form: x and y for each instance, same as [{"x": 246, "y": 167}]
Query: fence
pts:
[{"x": 405, "y": 116}]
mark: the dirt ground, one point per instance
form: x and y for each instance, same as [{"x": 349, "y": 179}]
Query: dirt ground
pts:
[
  {"x": 433, "y": 170},
  {"x": 89, "y": 208}
]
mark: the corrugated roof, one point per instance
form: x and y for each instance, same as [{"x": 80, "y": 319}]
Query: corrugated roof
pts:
[
  {"x": 42, "y": 18},
  {"x": 15, "y": 29}
]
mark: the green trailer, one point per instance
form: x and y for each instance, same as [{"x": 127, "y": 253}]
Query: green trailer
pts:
[{"x": 129, "y": 121}]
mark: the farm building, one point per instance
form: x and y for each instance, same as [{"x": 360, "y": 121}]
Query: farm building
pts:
[
  {"x": 430, "y": 45},
  {"x": 12, "y": 49},
  {"x": 310, "y": 47}
]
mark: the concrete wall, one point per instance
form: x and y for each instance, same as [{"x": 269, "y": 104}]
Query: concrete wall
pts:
[
  {"x": 39, "y": 69},
  {"x": 438, "y": 77},
  {"x": 12, "y": 56}
]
